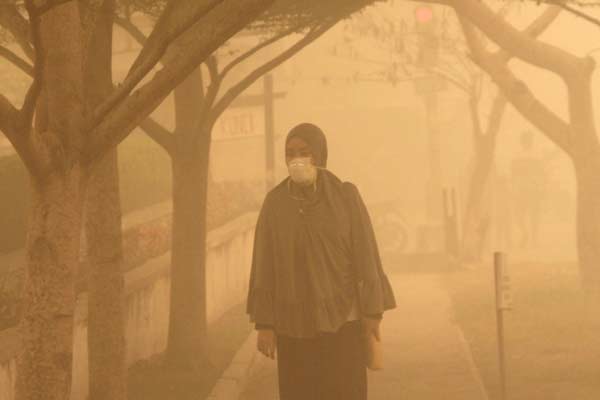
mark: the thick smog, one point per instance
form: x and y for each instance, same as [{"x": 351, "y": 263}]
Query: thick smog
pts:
[{"x": 299, "y": 200}]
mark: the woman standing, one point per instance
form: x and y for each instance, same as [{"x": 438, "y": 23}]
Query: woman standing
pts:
[{"x": 317, "y": 286}]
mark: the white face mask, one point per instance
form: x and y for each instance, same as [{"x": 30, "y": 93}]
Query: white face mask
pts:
[{"x": 302, "y": 170}]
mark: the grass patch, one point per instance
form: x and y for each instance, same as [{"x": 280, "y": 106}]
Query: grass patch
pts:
[
  {"x": 151, "y": 380},
  {"x": 553, "y": 351}
]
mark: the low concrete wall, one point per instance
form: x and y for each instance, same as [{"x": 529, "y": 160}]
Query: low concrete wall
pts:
[{"x": 147, "y": 301}]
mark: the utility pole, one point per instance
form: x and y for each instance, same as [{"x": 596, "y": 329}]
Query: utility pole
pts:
[
  {"x": 434, "y": 187},
  {"x": 266, "y": 100},
  {"x": 269, "y": 132},
  {"x": 428, "y": 88}
]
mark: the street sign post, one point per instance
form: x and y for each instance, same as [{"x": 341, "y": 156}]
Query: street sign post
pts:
[
  {"x": 503, "y": 284},
  {"x": 503, "y": 304},
  {"x": 269, "y": 133}
]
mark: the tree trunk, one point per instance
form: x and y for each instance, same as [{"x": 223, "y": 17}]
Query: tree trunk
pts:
[
  {"x": 186, "y": 346},
  {"x": 587, "y": 171},
  {"x": 477, "y": 217},
  {"x": 187, "y": 322},
  {"x": 102, "y": 224},
  {"x": 106, "y": 308},
  {"x": 585, "y": 153},
  {"x": 477, "y": 212},
  {"x": 44, "y": 363}
]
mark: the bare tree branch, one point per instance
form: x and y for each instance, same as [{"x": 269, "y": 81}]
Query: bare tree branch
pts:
[
  {"x": 563, "y": 4},
  {"x": 459, "y": 85},
  {"x": 130, "y": 28},
  {"x": 495, "y": 118},
  {"x": 584, "y": 3},
  {"x": 236, "y": 90},
  {"x": 534, "y": 52},
  {"x": 256, "y": 49},
  {"x": 12, "y": 20},
  {"x": 535, "y": 29},
  {"x": 49, "y": 5},
  {"x": 186, "y": 54},
  {"x": 541, "y": 23},
  {"x": 17, "y": 134},
  {"x": 467, "y": 65},
  {"x": 479, "y": 84},
  {"x": 452, "y": 68},
  {"x": 16, "y": 60},
  {"x": 516, "y": 91},
  {"x": 9, "y": 117},
  {"x": 201, "y": 89},
  {"x": 581, "y": 106},
  {"x": 213, "y": 88},
  {"x": 34, "y": 91},
  {"x": 475, "y": 119},
  {"x": 141, "y": 67},
  {"x": 159, "y": 134}
]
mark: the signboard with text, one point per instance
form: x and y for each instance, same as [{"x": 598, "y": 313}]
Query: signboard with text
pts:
[
  {"x": 238, "y": 145},
  {"x": 240, "y": 123}
]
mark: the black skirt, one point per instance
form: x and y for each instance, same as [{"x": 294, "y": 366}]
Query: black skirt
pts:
[{"x": 330, "y": 366}]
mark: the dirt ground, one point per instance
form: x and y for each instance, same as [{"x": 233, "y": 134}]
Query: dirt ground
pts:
[
  {"x": 150, "y": 380},
  {"x": 552, "y": 341},
  {"x": 425, "y": 355}
]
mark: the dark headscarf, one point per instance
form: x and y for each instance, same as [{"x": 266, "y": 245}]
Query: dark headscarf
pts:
[{"x": 314, "y": 136}]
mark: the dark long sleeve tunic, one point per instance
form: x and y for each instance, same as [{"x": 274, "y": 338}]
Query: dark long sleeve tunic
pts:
[{"x": 312, "y": 258}]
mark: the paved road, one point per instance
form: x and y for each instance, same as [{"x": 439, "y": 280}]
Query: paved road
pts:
[{"x": 426, "y": 356}]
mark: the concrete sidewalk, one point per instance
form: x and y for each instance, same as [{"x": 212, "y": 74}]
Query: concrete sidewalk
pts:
[{"x": 426, "y": 356}]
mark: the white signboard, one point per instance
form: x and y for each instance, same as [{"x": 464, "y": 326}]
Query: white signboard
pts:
[
  {"x": 240, "y": 123},
  {"x": 238, "y": 145}
]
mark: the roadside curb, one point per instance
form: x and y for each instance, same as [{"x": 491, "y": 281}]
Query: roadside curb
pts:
[
  {"x": 231, "y": 384},
  {"x": 472, "y": 366}
]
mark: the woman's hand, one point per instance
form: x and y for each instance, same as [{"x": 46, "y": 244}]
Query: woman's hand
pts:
[
  {"x": 267, "y": 342},
  {"x": 371, "y": 327}
]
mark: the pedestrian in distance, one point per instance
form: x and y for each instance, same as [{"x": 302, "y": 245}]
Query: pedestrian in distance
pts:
[{"x": 317, "y": 289}]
